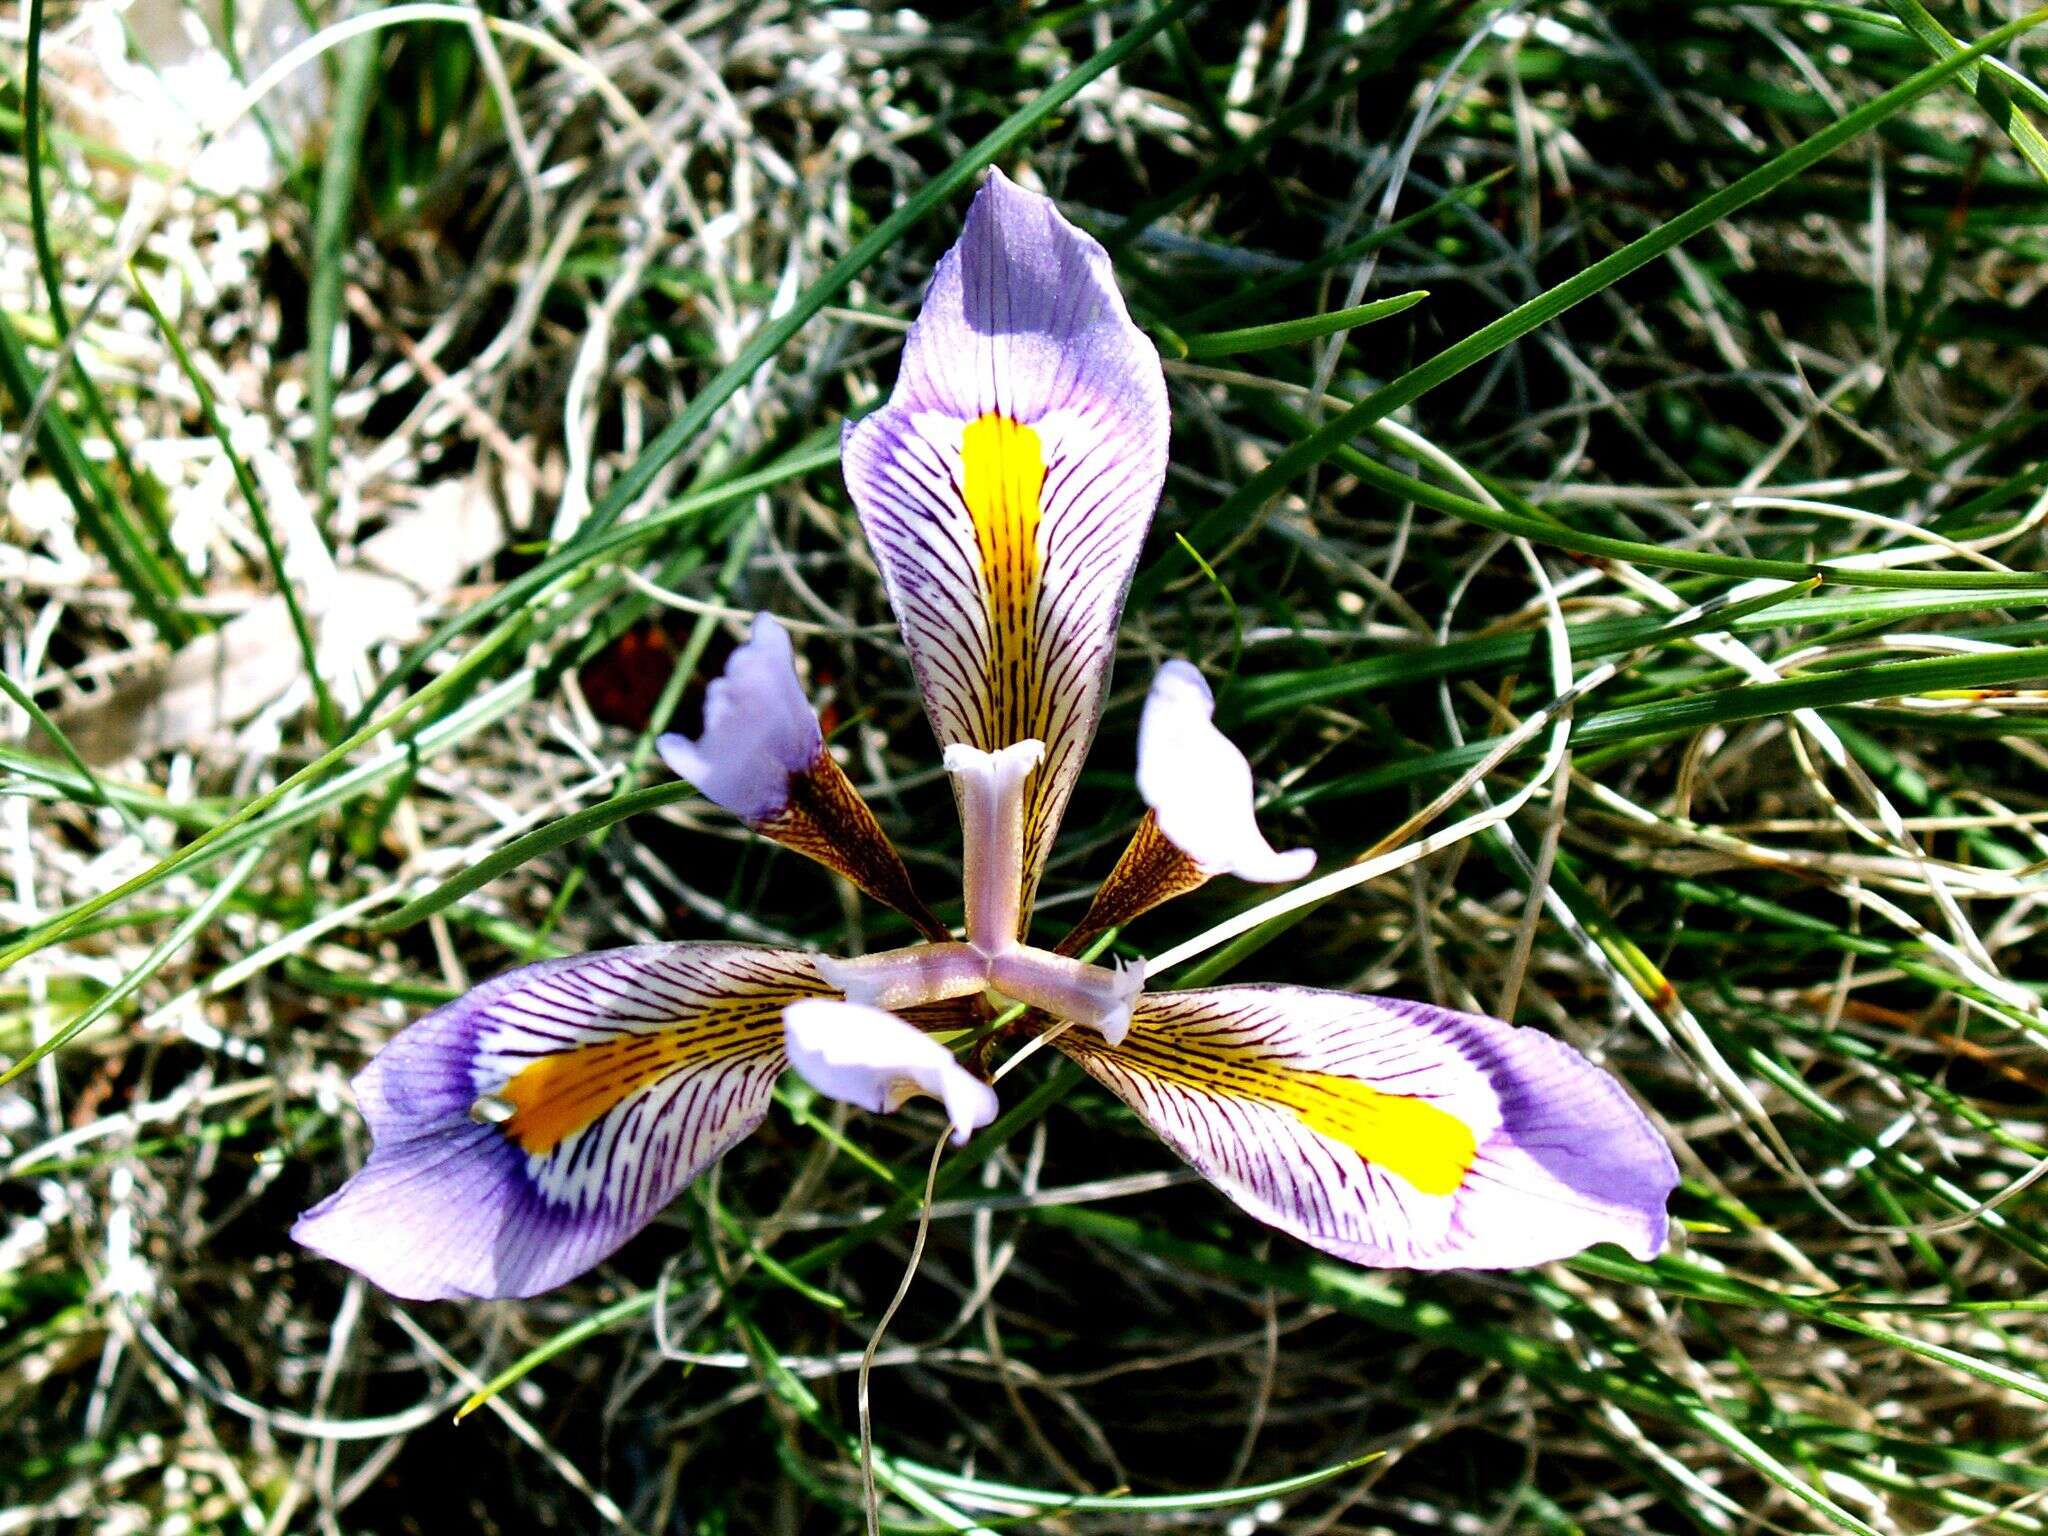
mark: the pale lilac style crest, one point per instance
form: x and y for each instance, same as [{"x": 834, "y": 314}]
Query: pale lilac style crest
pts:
[
  {"x": 526, "y": 1130},
  {"x": 1199, "y": 785},
  {"x": 869, "y": 1057}
]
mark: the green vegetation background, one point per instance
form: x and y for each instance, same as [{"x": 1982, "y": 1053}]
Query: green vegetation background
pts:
[{"x": 1735, "y": 305}]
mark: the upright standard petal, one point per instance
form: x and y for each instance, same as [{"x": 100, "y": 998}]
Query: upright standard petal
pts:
[
  {"x": 876, "y": 1061},
  {"x": 1198, "y": 821},
  {"x": 527, "y": 1129},
  {"x": 1392, "y": 1133},
  {"x": 1007, "y": 485},
  {"x": 762, "y": 757}
]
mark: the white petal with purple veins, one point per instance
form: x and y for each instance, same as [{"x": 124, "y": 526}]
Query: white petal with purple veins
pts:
[
  {"x": 1392, "y": 1133},
  {"x": 527, "y": 1129}
]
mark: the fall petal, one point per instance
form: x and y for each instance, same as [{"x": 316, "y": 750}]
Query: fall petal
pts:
[
  {"x": 527, "y": 1129},
  {"x": 1392, "y": 1133}
]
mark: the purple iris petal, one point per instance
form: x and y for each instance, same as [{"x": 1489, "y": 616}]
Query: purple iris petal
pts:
[
  {"x": 527, "y": 1129},
  {"x": 1392, "y": 1133}
]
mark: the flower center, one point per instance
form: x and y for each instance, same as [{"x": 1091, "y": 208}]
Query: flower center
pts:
[
  {"x": 1066, "y": 988},
  {"x": 991, "y": 787}
]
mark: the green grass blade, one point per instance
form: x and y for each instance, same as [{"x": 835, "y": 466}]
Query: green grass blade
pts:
[
  {"x": 523, "y": 850},
  {"x": 1758, "y": 701},
  {"x": 1979, "y": 82},
  {"x": 94, "y": 789},
  {"x": 1286, "y": 333},
  {"x": 140, "y": 571},
  {"x": 1132, "y": 1503},
  {"x": 139, "y": 974},
  {"x": 150, "y": 574},
  {"x": 1248, "y": 502},
  {"x": 332, "y": 221},
  {"x": 1350, "y": 251},
  {"x": 1363, "y": 1295},
  {"x": 1540, "y": 529},
  {"x": 775, "y": 335}
]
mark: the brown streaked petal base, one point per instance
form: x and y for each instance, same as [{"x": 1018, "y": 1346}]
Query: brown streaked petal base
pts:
[
  {"x": 1151, "y": 871},
  {"x": 826, "y": 819},
  {"x": 950, "y": 1016}
]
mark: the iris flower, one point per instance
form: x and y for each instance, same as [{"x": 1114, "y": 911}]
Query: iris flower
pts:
[{"x": 525, "y": 1131}]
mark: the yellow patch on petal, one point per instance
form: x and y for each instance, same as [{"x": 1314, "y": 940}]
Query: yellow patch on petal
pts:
[
  {"x": 557, "y": 1095},
  {"x": 1429, "y": 1147},
  {"x": 1003, "y": 482},
  {"x": 1426, "y": 1145}
]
